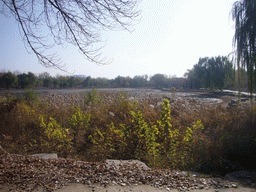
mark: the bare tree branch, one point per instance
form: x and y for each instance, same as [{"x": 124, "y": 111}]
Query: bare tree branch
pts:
[{"x": 47, "y": 23}]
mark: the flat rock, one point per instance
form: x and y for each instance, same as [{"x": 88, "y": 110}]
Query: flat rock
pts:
[
  {"x": 46, "y": 155},
  {"x": 130, "y": 163}
]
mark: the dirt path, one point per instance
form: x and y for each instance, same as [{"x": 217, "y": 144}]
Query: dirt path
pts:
[{"x": 74, "y": 187}]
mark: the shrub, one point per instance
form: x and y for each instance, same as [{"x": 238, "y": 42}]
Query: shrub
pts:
[
  {"x": 92, "y": 97},
  {"x": 55, "y": 138},
  {"x": 31, "y": 96},
  {"x": 146, "y": 147},
  {"x": 19, "y": 128},
  {"x": 109, "y": 144},
  {"x": 80, "y": 127}
]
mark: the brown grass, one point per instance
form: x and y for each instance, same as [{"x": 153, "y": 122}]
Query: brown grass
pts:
[{"x": 227, "y": 142}]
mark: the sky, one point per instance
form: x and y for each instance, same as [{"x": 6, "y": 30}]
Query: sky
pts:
[{"x": 169, "y": 39}]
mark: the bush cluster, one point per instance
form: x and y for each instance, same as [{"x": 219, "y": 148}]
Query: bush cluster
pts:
[{"x": 212, "y": 139}]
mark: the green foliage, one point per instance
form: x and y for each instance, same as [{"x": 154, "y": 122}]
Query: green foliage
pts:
[
  {"x": 158, "y": 80},
  {"x": 9, "y": 97},
  {"x": 161, "y": 145},
  {"x": 147, "y": 149},
  {"x": 121, "y": 81},
  {"x": 212, "y": 73},
  {"x": 190, "y": 142},
  {"x": 8, "y": 80},
  {"x": 31, "y": 96},
  {"x": 80, "y": 127},
  {"x": 56, "y": 138},
  {"x": 27, "y": 80},
  {"x": 107, "y": 144},
  {"x": 79, "y": 120},
  {"x": 167, "y": 136},
  {"x": 92, "y": 97},
  {"x": 165, "y": 122}
]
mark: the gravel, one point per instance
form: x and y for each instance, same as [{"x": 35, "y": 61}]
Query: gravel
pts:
[{"x": 27, "y": 173}]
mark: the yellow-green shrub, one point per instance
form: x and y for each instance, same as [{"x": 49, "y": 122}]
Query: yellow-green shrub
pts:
[
  {"x": 55, "y": 138},
  {"x": 79, "y": 124},
  {"x": 19, "y": 128},
  {"x": 144, "y": 140},
  {"x": 191, "y": 146},
  {"x": 92, "y": 97},
  {"x": 108, "y": 144}
]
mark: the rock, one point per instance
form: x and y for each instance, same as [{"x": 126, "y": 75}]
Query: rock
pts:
[
  {"x": 111, "y": 114},
  {"x": 129, "y": 163},
  {"x": 234, "y": 186},
  {"x": 152, "y": 106},
  {"x": 159, "y": 104},
  {"x": 46, "y": 155}
]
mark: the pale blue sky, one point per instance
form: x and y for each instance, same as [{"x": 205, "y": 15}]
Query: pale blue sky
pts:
[{"x": 170, "y": 38}]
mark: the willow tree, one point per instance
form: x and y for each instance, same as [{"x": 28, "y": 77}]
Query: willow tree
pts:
[
  {"x": 46, "y": 23},
  {"x": 244, "y": 15}
]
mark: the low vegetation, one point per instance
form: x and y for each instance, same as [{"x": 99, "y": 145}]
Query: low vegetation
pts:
[{"x": 100, "y": 126}]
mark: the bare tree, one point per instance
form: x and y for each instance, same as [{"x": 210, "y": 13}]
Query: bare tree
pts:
[{"x": 46, "y": 23}]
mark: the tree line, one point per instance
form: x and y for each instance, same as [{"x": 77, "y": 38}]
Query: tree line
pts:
[
  {"x": 208, "y": 73},
  {"x": 44, "y": 80}
]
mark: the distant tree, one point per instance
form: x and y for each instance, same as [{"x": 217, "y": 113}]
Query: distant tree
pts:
[
  {"x": 45, "y": 79},
  {"x": 56, "y": 82},
  {"x": 244, "y": 15},
  {"x": 192, "y": 81},
  {"x": 214, "y": 67},
  {"x": 100, "y": 82},
  {"x": 47, "y": 82},
  {"x": 158, "y": 80},
  {"x": 32, "y": 79},
  {"x": 27, "y": 80},
  {"x": 230, "y": 75},
  {"x": 122, "y": 81},
  {"x": 87, "y": 81},
  {"x": 8, "y": 80},
  {"x": 139, "y": 81},
  {"x": 75, "y": 22},
  {"x": 211, "y": 72},
  {"x": 62, "y": 82},
  {"x": 43, "y": 75},
  {"x": 177, "y": 82},
  {"x": 71, "y": 81}
]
